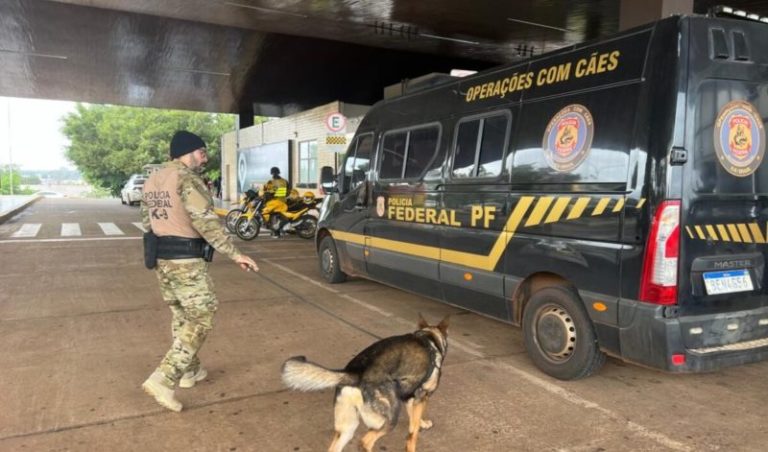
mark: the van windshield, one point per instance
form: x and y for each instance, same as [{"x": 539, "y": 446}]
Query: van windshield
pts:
[
  {"x": 729, "y": 142},
  {"x": 358, "y": 160}
]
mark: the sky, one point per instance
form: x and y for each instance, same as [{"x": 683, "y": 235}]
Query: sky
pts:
[{"x": 36, "y": 141}]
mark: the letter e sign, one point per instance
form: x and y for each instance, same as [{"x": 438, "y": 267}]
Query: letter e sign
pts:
[{"x": 336, "y": 122}]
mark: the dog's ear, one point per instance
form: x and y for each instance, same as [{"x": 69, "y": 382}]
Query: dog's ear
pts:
[
  {"x": 443, "y": 325},
  {"x": 422, "y": 323}
]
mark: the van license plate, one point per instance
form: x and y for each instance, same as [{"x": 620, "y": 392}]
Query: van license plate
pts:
[{"x": 727, "y": 282}]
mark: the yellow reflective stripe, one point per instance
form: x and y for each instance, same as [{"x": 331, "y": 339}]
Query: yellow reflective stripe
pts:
[
  {"x": 640, "y": 204},
  {"x": 558, "y": 209},
  {"x": 489, "y": 262},
  {"x": 723, "y": 233},
  {"x": 429, "y": 252},
  {"x": 700, "y": 232},
  {"x": 281, "y": 192},
  {"x": 348, "y": 237},
  {"x": 757, "y": 233},
  {"x": 711, "y": 232},
  {"x": 539, "y": 210},
  {"x": 578, "y": 208},
  {"x": 619, "y": 205},
  {"x": 745, "y": 233},
  {"x": 688, "y": 230},
  {"x": 601, "y": 205},
  {"x": 481, "y": 261},
  {"x": 734, "y": 233}
]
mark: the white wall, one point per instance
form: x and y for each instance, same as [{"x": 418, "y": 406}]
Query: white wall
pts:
[{"x": 304, "y": 126}]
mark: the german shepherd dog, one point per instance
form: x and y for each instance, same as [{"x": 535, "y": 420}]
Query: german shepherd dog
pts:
[{"x": 376, "y": 382}]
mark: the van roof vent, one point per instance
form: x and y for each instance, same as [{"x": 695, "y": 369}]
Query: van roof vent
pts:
[
  {"x": 718, "y": 44},
  {"x": 416, "y": 84},
  {"x": 740, "y": 48}
]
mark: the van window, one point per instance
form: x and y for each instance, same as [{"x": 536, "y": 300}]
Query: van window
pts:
[
  {"x": 734, "y": 107},
  {"x": 393, "y": 155},
  {"x": 358, "y": 160},
  {"x": 479, "y": 147},
  {"x": 579, "y": 139},
  {"x": 408, "y": 153},
  {"x": 421, "y": 148}
]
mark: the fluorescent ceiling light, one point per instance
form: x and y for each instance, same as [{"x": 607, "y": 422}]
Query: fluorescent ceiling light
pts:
[
  {"x": 446, "y": 38},
  {"x": 32, "y": 54},
  {"x": 266, "y": 10},
  {"x": 198, "y": 71},
  {"x": 538, "y": 25}
]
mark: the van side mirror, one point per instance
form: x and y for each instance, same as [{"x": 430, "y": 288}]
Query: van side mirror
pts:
[{"x": 328, "y": 179}]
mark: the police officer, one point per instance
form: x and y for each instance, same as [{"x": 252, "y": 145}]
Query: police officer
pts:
[{"x": 177, "y": 208}]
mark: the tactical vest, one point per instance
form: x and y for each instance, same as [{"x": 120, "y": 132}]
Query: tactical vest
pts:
[
  {"x": 167, "y": 215},
  {"x": 280, "y": 187}
]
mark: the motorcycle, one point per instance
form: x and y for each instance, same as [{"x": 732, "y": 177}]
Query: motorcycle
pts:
[
  {"x": 301, "y": 218},
  {"x": 232, "y": 216},
  {"x": 298, "y": 217},
  {"x": 249, "y": 223}
]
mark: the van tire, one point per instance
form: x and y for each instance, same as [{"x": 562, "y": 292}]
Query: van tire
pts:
[
  {"x": 559, "y": 336},
  {"x": 329, "y": 262}
]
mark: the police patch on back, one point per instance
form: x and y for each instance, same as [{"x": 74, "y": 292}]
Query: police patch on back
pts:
[
  {"x": 739, "y": 138},
  {"x": 568, "y": 138}
]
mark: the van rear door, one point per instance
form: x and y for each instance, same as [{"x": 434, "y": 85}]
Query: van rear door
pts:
[{"x": 722, "y": 293}]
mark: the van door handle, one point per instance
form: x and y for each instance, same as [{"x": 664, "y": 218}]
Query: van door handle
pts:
[{"x": 678, "y": 156}]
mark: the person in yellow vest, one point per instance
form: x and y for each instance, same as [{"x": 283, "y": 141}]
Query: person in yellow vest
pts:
[
  {"x": 182, "y": 232},
  {"x": 277, "y": 186},
  {"x": 275, "y": 192}
]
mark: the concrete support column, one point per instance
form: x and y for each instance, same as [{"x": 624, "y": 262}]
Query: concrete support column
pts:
[
  {"x": 638, "y": 12},
  {"x": 246, "y": 116}
]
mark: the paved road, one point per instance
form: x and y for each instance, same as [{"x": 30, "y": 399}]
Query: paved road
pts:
[{"x": 82, "y": 325}]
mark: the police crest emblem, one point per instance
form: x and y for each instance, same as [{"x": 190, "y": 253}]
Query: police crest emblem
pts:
[
  {"x": 380, "y": 206},
  {"x": 739, "y": 138},
  {"x": 568, "y": 138}
]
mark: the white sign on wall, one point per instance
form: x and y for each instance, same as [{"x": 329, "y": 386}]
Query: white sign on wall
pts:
[
  {"x": 336, "y": 139},
  {"x": 336, "y": 123}
]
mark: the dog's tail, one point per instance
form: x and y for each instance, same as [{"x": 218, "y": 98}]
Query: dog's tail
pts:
[{"x": 302, "y": 375}]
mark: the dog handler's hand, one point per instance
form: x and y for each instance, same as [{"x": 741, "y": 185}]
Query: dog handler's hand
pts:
[{"x": 246, "y": 263}]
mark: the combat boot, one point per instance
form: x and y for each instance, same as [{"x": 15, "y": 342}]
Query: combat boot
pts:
[
  {"x": 190, "y": 378},
  {"x": 156, "y": 387}
]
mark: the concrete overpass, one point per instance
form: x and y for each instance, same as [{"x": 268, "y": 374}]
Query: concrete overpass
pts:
[{"x": 275, "y": 58}]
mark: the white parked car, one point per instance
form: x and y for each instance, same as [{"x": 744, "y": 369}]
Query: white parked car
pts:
[
  {"x": 132, "y": 190},
  {"x": 51, "y": 194}
]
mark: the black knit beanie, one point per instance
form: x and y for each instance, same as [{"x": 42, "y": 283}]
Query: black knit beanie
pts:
[{"x": 184, "y": 142}]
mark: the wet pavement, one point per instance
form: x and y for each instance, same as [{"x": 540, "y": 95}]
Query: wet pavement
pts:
[{"x": 83, "y": 324}]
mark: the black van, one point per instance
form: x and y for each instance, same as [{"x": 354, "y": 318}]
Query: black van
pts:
[{"x": 609, "y": 197}]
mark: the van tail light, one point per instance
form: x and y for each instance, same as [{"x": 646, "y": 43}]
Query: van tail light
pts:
[{"x": 659, "y": 279}]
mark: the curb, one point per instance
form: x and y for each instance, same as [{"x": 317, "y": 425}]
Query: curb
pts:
[{"x": 4, "y": 216}]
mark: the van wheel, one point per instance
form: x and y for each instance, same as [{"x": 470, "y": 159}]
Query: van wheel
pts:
[
  {"x": 559, "y": 336},
  {"x": 329, "y": 262}
]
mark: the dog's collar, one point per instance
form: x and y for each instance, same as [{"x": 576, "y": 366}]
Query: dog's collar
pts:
[{"x": 438, "y": 344}]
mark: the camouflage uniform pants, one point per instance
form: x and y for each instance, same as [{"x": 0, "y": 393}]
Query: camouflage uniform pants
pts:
[{"x": 188, "y": 290}]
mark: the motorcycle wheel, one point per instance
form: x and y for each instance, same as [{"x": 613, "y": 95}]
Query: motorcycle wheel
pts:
[
  {"x": 247, "y": 229},
  {"x": 308, "y": 227},
  {"x": 231, "y": 219}
]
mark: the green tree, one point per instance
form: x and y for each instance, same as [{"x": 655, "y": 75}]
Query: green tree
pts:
[
  {"x": 109, "y": 143},
  {"x": 9, "y": 176}
]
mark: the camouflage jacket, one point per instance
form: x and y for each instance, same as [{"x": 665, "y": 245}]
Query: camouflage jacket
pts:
[{"x": 198, "y": 204}]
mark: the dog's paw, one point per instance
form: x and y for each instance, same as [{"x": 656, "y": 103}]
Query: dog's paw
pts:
[{"x": 426, "y": 424}]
